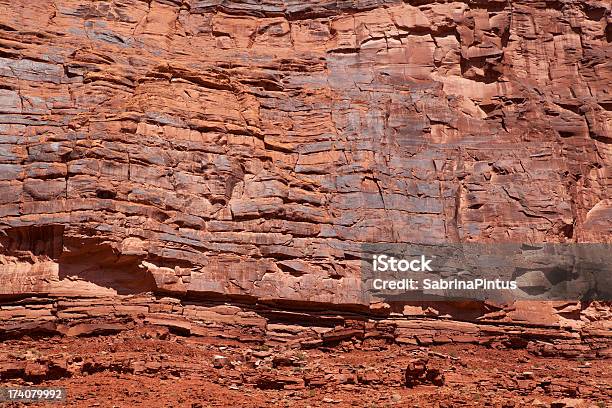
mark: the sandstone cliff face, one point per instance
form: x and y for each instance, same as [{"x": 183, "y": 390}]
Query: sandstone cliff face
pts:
[{"x": 247, "y": 148}]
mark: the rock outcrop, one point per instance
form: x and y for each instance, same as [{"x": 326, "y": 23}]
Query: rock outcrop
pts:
[{"x": 243, "y": 151}]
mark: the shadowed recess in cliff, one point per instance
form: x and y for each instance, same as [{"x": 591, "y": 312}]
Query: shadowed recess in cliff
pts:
[
  {"x": 42, "y": 240},
  {"x": 97, "y": 262}
]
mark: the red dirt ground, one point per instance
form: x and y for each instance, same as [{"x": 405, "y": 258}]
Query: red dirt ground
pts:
[{"x": 153, "y": 368}]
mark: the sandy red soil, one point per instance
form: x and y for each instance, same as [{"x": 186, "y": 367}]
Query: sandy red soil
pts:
[{"x": 153, "y": 368}]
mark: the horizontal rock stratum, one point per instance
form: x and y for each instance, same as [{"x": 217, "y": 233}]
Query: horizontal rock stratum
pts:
[{"x": 244, "y": 150}]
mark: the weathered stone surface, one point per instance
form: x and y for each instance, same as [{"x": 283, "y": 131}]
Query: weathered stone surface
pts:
[
  {"x": 589, "y": 335},
  {"x": 246, "y": 149}
]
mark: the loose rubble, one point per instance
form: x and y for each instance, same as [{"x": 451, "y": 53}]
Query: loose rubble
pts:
[{"x": 151, "y": 365}]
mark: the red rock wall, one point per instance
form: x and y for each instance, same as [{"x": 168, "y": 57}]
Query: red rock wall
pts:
[{"x": 248, "y": 148}]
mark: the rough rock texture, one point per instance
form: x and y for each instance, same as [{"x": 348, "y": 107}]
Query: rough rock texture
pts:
[
  {"x": 242, "y": 151},
  {"x": 155, "y": 368},
  {"x": 193, "y": 181}
]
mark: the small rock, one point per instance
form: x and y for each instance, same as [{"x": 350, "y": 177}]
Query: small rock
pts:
[
  {"x": 527, "y": 375},
  {"x": 261, "y": 354},
  {"x": 282, "y": 361},
  {"x": 221, "y": 361},
  {"x": 435, "y": 377},
  {"x": 568, "y": 403},
  {"x": 417, "y": 373}
]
